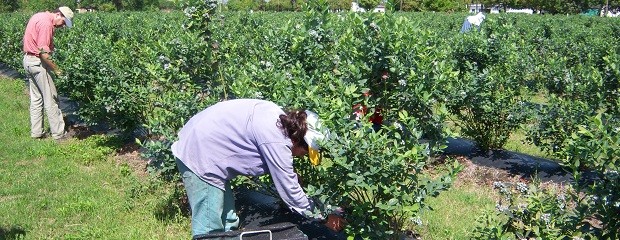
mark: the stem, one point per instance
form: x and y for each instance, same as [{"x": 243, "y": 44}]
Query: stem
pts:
[
  {"x": 369, "y": 199},
  {"x": 223, "y": 82},
  {"x": 360, "y": 195}
]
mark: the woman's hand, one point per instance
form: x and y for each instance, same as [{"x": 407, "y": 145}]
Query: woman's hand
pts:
[{"x": 335, "y": 222}]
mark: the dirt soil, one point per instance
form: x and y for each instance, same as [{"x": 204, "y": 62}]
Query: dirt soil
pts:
[
  {"x": 502, "y": 165},
  {"x": 130, "y": 154},
  {"x": 483, "y": 175},
  {"x": 473, "y": 173},
  {"x": 7, "y": 72},
  {"x": 477, "y": 175}
]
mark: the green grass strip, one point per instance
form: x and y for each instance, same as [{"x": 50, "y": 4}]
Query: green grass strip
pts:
[{"x": 75, "y": 189}]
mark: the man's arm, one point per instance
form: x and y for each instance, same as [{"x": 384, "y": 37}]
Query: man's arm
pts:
[{"x": 46, "y": 59}]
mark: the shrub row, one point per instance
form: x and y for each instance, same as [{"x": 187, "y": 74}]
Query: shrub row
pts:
[{"x": 415, "y": 71}]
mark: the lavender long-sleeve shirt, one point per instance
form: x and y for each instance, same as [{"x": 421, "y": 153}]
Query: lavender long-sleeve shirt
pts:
[{"x": 241, "y": 137}]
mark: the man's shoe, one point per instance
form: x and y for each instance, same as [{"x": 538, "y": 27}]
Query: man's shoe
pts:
[
  {"x": 42, "y": 136},
  {"x": 64, "y": 137}
]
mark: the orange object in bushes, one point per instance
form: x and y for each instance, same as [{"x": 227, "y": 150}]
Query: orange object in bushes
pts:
[{"x": 360, "y": 111}]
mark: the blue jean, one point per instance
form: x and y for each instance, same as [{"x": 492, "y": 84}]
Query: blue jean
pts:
[{"x": 213, "y": 210}]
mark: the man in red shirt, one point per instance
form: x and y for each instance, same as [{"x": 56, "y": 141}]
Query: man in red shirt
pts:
[{"x": 38, "y": 46}]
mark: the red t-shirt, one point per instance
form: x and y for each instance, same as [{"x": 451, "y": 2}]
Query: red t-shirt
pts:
[{"x": 39, "y": 34}]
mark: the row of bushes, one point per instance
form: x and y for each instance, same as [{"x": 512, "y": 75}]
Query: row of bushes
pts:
[
  {"x": 235, "y": 5},
  {"x": 100, "y": 5},
  {"x": 136, "y": 69}
]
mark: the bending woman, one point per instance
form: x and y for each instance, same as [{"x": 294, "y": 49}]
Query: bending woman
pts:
[{"x": 243, "y": 137}]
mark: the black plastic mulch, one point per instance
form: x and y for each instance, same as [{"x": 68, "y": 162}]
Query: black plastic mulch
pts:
[
  {"x": 287, "y": 231},
  {"x": 515, "y": 163},
  {"x": 257, "y": 210}
]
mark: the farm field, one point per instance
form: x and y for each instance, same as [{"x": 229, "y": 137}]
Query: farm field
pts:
[{"x": 392, "y": 88}]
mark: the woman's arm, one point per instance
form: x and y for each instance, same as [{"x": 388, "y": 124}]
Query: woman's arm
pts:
[{"x": 279, "y": 160}]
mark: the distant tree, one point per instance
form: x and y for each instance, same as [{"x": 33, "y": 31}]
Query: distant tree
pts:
[
  {"x": 608, "y": 5},
  {"x": 118, "y": 4},
  {"x": 369, "y": 5},
  {"x": 547, "y": 6},
  {"x": 41, "y": 5},
  {"x": 169, "y": 4},
  {"x": 242, "y": 5},
  {"x": 278, "y": 5},
  {"x": 505, "y": 4},
  {"x": 560, "y": 7},
  {"x": 431, "y": 5},
  {"x": 294, "y": 4},
  {"x": 140, "y": 4},
  {"x": 132, "y": 5},
  {"x": 299, "y": 5},
  {"x": 90, "y": 3},
  {"x": 412, "y": 5},
  {"x": 339, "y": 4},
  {"x": 442, "y": 5}
]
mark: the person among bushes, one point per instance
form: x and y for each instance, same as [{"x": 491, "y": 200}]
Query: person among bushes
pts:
[
  {"x": 472, "y": 21},
  {"x": 244, "y": 137},
  {"x": 38, "y": 47}
]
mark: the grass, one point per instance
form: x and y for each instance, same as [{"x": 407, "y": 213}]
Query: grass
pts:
[
  {"x": 75, "y": 189},
  {"x": 455, "y": 212},
  {"x": 517, "y": 140},
  {"x": 518, "y": 143}
]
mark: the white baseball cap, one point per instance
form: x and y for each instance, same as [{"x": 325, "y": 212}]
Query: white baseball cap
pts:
[{"x": 68, "y": 14}]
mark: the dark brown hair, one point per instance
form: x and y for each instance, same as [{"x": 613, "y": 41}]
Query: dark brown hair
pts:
[{"x": 293, "y": 125}]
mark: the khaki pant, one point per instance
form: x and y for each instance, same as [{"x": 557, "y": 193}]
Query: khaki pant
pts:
[{"x": 43, "y": 95}]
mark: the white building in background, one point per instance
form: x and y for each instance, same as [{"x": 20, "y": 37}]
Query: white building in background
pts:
[
  {"x": 380, "y": 8},
  {"x": 356, "y": 8},
  {"x": 525, "y": 10},
  {"x": 476, "y": 8},
  {"x": 612, "y": 13},
  {"x": 494, "y": 10}
]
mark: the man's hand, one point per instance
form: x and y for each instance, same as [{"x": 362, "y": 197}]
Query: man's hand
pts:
[
  {"x": 49, "y": 64},
  {"x": 336, "y": 223}
]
